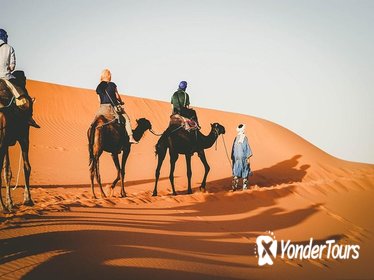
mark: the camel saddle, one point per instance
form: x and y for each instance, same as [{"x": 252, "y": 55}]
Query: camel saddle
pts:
[
  {"x": 6, "y": 95},
  {"x": 186, "y": 123}
]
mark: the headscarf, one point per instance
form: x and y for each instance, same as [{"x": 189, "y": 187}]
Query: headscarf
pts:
[
  {"x": 182, "y": 85},
  {"x": 241, "y": 130},
  {"x": 4, "y": 36}
]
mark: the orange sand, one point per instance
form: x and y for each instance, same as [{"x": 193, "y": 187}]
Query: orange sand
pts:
[{"x": 298, "y": 192}]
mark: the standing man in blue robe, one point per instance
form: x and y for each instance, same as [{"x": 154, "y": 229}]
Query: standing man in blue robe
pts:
[{"x": 240, "y": 155}]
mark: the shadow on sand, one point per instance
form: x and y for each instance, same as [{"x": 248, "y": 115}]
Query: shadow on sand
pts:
[
  {"x": 127, "y": 184},
  {"x": 86, "y": 253},
  {"x": 186, "y": 234},
  {"x": 284, "y": 172}
]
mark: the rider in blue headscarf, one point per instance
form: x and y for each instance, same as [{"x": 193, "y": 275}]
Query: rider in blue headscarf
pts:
[
  {"x": 15, "y": 81},
  {"x": 7, "y": 57}
]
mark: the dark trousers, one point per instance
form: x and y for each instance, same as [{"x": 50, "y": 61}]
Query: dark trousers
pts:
[{"x": 188, "y": 113}]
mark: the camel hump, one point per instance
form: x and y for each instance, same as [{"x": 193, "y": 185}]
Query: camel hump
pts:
[
  {"x": 186, "y": 123},
  {"x": 176, "y": 119},
  {"x": 5, "y": 94},
  {"x": 102, "y": 121}
]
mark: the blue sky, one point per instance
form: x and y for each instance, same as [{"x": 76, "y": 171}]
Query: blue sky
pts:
[{"x": 306, "y": 65}]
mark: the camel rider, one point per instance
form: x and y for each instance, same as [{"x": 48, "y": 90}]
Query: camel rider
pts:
[
  {"x": 109, "y": 99},
  {"x": 180, "y": 103},
  {"x": 18, "y": 89}
]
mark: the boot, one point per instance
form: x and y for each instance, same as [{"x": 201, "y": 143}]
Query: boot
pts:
[
  {"x": 132, "y": 140},
  {"x": 245, "y": 184},
  {"x": 22, "y": 103},
  {"x": 33, "y": 123},
  {"x": 235, "y": 182}
]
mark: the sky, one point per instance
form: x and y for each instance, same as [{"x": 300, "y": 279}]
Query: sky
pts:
[{"x": 306, "y": 65}]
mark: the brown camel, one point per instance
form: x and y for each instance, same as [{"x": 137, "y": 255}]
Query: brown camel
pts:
[
  {"x": 179, "y": 141},
  {"x": 14, "y": 127},
  {"x": 111, "y": 137}
]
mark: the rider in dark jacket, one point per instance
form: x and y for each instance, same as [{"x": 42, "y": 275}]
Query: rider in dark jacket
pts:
[{"x": 109, "y": 97}]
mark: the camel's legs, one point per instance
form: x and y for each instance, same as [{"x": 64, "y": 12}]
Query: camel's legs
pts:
[
  {"x": 206, "y": 167},
  {"x": 95, "y": 157},
  {"x": 189, "y": 172},
  {"x": 96, "y": 153},
  {"x": 161, "y": 153},
  {"x": 91, "y": 143},
  {"x": 8, "y": 178},
  {"x": 116, "y": 163},
  {"x": 98, "y": 177},
  {"x": 24, "y": 142},
  {"x": 2, "y": 155},
  {"x": 173, "y": 159},
  {"x": 125, "y": 155},
  {"x": 92, "y": 176}
]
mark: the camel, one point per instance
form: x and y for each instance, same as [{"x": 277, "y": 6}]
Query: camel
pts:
[
  {"x": 14, "y": 127},
  {"x": 179, "y": 141},
  {"x": 111, "y": 137}
]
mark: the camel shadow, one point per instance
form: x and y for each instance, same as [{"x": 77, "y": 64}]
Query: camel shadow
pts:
[
  {"x": 152, "y": 242},
  {"x": 122, "y": 244},
  {"x": 127, "y": 184},
  {"x": 284, "y": 172}
]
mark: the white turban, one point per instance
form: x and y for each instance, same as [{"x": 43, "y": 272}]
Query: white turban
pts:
[{"x": 241, "y": 130}]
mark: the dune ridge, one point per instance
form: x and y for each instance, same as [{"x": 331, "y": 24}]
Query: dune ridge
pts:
[{"x": 65, "y": 114}]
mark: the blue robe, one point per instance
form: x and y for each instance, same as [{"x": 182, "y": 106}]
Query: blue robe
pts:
[{"x": 239, "y": 154}]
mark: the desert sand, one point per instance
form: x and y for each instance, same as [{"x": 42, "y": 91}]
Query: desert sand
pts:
[{"x": 298, "y": 191}]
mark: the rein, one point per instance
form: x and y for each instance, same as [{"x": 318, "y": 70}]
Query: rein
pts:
[
  {"x": 104, "y": 124},
  {"x": 224, "y": 144},
  {"x": 179, "y": 127},
  {"x": 19, "y": 170},
  {"x": 10, "y": 103},
  {"x": 227, "y": 154},
  {"x": 216, "y": 132},
  {"x": 154, "y": 133}
]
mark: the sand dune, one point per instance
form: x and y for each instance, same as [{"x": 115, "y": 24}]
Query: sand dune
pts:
[{"x": 298, "y": 191}]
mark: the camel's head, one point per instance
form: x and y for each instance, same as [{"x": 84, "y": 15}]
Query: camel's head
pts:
[
  {"x": 218, "y": 129},
  {"x": 144, "y": 124}
]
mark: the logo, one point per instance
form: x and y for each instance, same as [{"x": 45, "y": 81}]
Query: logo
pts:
[
  {"x": 266, "y": 249},
  {"x": 267, "y": 246}
]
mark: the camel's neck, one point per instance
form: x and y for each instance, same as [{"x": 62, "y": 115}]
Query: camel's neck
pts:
[
  {"x": 207, "y": 141},
  {"x": 138, "y": 133}
]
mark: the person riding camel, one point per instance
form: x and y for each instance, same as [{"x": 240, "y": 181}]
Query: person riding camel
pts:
[
  {"x": 15, "y": 83},
  {"x": 180, "y": 103},
  {"x": 110, "y": 102}
]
